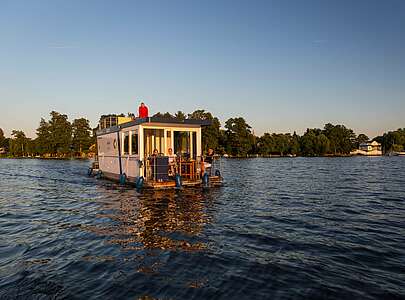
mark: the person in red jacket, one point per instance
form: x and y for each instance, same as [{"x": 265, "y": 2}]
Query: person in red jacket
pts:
[{"x": 143, "y": 111}]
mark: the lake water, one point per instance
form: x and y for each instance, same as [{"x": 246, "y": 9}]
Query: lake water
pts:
[{"x": 287, "y": 228}]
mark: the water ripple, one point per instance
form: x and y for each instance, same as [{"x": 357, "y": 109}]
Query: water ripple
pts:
[{"x": 311, "y": 228}]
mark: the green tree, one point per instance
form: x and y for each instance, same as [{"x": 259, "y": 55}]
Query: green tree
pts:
[
  {"x": 308, "y": 143},
  {"x": 361, "y": 138},
  {"x": 81, "y": 135},
  {"x": 60, "y": 133},
  {"x": 2, "y": 138},
  {"x": 393, "y": 140},
  {"x": 239, "y": 136},
  {"x": 180, "y": 116},
  {"x": 44, "y": 138},
  {"x": 342, "y": 140},
  {"x": 295, "y": 144},
  {"x": 18, "y": 143},
  {"x": 322, "y": 144},
  {"x": 314, "y": 143},
  {"x": 166, "y": 115},
  {"x": 210, "y": 134},
  {"x": 266, "y": 144}
]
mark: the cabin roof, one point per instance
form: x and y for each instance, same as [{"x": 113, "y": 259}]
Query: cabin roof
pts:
[{"x": 155, "y": 120}]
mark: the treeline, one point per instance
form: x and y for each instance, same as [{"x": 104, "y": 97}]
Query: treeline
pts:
[
  {"x": 237, "y": 138},
  {"x": 58, "y": 137}
]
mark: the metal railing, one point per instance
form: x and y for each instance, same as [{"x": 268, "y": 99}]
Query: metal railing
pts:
[{"x": 161, "y": 168}]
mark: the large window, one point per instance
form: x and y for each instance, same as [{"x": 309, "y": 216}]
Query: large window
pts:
[
  {"x": 182, "y": 143},
  {"x": 126, "y": 143},
  {"x": 134, "y": 143},
  {"x": 153, "y": 139}
]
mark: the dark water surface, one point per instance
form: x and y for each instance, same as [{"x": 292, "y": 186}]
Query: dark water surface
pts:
[{"x": 280, "y": 229}]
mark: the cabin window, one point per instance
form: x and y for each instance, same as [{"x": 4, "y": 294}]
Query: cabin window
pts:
[
  {"x": 182, "y": 143},
  {"x": 153, "y": 139},
  {"x": 126, "y": 143},
  {"x": 134, "y": 143}
]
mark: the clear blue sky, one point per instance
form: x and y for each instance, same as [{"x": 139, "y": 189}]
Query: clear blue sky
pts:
[{"x": 282, "y": 65}]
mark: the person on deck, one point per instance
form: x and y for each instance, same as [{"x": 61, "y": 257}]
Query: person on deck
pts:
[
  {"x": 143, "y": 111},
  {"x": 172, "y": 162},
  {"x": 208, "y": 161}
]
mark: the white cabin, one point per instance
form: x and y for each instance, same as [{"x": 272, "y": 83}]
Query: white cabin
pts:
[{"x": 127, "y": 150}]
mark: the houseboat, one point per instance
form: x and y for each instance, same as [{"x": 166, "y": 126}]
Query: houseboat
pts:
[{"x": 155, "y": 152}]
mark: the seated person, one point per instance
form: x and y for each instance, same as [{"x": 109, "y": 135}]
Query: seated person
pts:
[
  {"x": 152, "y": 159},
  {"x": 172, "y": 162},
  {"x": 208, "y": 160}
]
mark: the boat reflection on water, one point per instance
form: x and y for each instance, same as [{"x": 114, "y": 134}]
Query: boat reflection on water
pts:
[{"x": 164, "y": 220}]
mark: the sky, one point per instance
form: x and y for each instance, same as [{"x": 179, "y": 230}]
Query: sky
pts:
[{"x": 283, "y": 65}]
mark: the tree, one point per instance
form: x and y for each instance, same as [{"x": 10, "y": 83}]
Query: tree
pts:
[
  {"x": 166, "y": 115},
  {"x": 18, "y": 143},
  {"x": 44, "y": 139},
  {"x": 295, "y": 144},
  {"x": 60, "y": 133},
  {"x": 2, "y": 138},
  {"x": 239, "y": 136},
  {"x": 266, "y": 144},
  {"x": 393, "y": 140},
  {"x": 81, "y": 135},
  {"x": 210, "y": 134},
  {"x": 314, "y": 143},
  {"x": 342, "y": 140},
  {"x": 361, "y": 138},
  {"x": 180, "y": 116}
]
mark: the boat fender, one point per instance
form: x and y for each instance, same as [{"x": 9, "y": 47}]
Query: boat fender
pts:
[
  {"x": 89, "y": 172},
  {"x": 177, "y": 179},
  {"x": 205, "y": 180},
  {"x": 218, "y": 173},
  {"x": 123, "y": 178},
  {"x": 139, "y": 183},
  {"x": 99, "y": 174}
]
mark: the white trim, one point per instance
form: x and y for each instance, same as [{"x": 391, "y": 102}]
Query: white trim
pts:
[{"x": 199, "y": 150}]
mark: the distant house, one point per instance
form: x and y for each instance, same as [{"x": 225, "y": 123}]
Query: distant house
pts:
[
  {"x": 370, "y": 148},
  {"x": 2, "y": 151}
]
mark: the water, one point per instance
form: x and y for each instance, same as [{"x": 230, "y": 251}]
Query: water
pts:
[{"x": 289, "y": 228}]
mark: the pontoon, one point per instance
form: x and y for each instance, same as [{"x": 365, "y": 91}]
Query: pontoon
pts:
[{"x": 126, "y": 154}]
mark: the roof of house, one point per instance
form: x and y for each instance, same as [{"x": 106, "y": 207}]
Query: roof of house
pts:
[
  {"x": 373, "y": 143},
  {"x": 156, "y": 120}
]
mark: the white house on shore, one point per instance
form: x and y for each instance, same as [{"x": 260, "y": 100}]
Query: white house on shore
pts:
[{"x": 370, "y": 149}]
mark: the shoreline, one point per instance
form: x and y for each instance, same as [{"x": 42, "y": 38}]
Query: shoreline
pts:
[
  {"x": 46, "y": 158},
  {"x": 226, "y": 157}
]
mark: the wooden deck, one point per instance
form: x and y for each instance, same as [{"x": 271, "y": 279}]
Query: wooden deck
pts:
[{"x": 214, "y": 181}]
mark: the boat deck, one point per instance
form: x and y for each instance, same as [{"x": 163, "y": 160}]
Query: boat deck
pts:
[{"x": 213, "y": 181}]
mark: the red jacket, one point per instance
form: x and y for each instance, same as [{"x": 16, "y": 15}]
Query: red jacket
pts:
[{"x": 143, "y": 112}]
